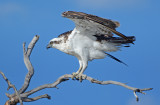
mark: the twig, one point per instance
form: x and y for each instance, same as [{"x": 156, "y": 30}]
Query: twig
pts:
[
  {"x": 11, "y": 86},
  {"x": 120, "y": 84},
  {"x": 36, "y": 98},
  {"x": 52, "y": 85},
  {"x": 31, "y": 45},
  {"x": 28, "y": 63}
]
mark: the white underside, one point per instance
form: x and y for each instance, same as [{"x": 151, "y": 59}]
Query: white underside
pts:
[
  {"x": 82, "y": 44},
  {"x": 86, "y": 46}
]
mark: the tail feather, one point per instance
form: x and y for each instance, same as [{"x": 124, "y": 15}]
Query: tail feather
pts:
[{"x": 111, "y": 56}]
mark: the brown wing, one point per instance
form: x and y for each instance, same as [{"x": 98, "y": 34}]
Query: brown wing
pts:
[
  {"x": 81, "y": 15},
  {"x": 103, "y": 24}
]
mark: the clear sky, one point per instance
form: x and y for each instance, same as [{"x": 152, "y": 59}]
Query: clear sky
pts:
[{"x": 21, "y": 20}]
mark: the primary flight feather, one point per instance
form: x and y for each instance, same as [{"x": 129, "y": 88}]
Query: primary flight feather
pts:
[{"x": 90, "y": 39}]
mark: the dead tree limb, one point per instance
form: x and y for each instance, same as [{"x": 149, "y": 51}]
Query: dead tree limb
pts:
[
  {"x": 17, "y": 97},
  {"x": 11, "y": 86},
  {"x": 21, "y": 95},
  {"x": 92, "y": 80},
  {"x": 28, "y": 64}
]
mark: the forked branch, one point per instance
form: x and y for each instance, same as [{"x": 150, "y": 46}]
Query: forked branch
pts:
[
  {"x": 22, "y": 95},
  {"x": 11, "y": 86},
  {"x": 26, "y": 54}
]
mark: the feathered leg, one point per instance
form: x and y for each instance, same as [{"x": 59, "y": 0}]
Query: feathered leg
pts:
[
  {"x": 83, "y": 61},
  {"x": 74, "y": 74}
]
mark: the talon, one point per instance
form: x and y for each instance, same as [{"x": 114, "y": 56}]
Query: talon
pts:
[
  {"x": 74, "y": 75},
  {"x": 85, "y": 76},
  {"x": 82, "y": 77},
  {"x": 78, "y": 76}
]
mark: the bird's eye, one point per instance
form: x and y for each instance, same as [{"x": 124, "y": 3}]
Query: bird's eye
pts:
[
  {"x": 55, "y": 42},
  {"x": 51, "y": 42}
]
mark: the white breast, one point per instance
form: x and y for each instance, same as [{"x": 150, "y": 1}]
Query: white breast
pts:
[{"x": 81, "y": 43}]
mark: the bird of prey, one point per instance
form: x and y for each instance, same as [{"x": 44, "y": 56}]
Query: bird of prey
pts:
[{"x": 91, "y": 39}]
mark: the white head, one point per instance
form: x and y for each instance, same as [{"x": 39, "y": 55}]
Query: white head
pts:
[
  {"x": 60, "y": 42},
  {"x": 55, "y": 43}
]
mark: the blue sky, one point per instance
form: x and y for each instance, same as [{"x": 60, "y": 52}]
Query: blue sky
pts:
[{"x": 21, "y": 20}]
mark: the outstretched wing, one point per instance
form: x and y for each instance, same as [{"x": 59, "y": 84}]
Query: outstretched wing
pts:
[{"x": 92, "y": 24}]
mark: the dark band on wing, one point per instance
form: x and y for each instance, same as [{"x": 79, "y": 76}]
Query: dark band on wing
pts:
[{"x": 115, "y": 39}]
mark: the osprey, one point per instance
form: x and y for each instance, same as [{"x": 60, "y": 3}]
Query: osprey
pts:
[{"x": 91, "y": 39}]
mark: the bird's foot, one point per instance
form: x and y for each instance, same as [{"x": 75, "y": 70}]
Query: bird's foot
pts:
[
  {"x": 74, "y": 74},
  {"x": 78, "y": 76}
]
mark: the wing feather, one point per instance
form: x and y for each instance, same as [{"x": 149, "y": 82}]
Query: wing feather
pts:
[{"x": 96, "y": 24}]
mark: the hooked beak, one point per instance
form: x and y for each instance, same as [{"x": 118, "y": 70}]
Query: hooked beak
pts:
[{"x": 48, "y": 46}]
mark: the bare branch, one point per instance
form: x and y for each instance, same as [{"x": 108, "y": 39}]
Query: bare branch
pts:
[
  {"x": 11, "y": 86},
  {"x": 28, "y": 63},
  {"x": 7, "y": 103},
  {"x": 84, "y": 77},
  {"x": 140, "y": 91},
  {"x": 36, "y": 98},
  {"x": 31, "y": 45},
  {"x": 120, "y": 84},
  {"x": 52, "y": 85}
]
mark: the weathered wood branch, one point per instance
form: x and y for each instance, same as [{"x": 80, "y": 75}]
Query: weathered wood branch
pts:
[
  {"x": 10, "y": 85},
  {"x": 28, "y": 64},
  {"x": 17, "y": 96},
  {"x": 36, "y": 98},
  {"x": 22, "y": 96},
  {"x": 92, "y": 80}
]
